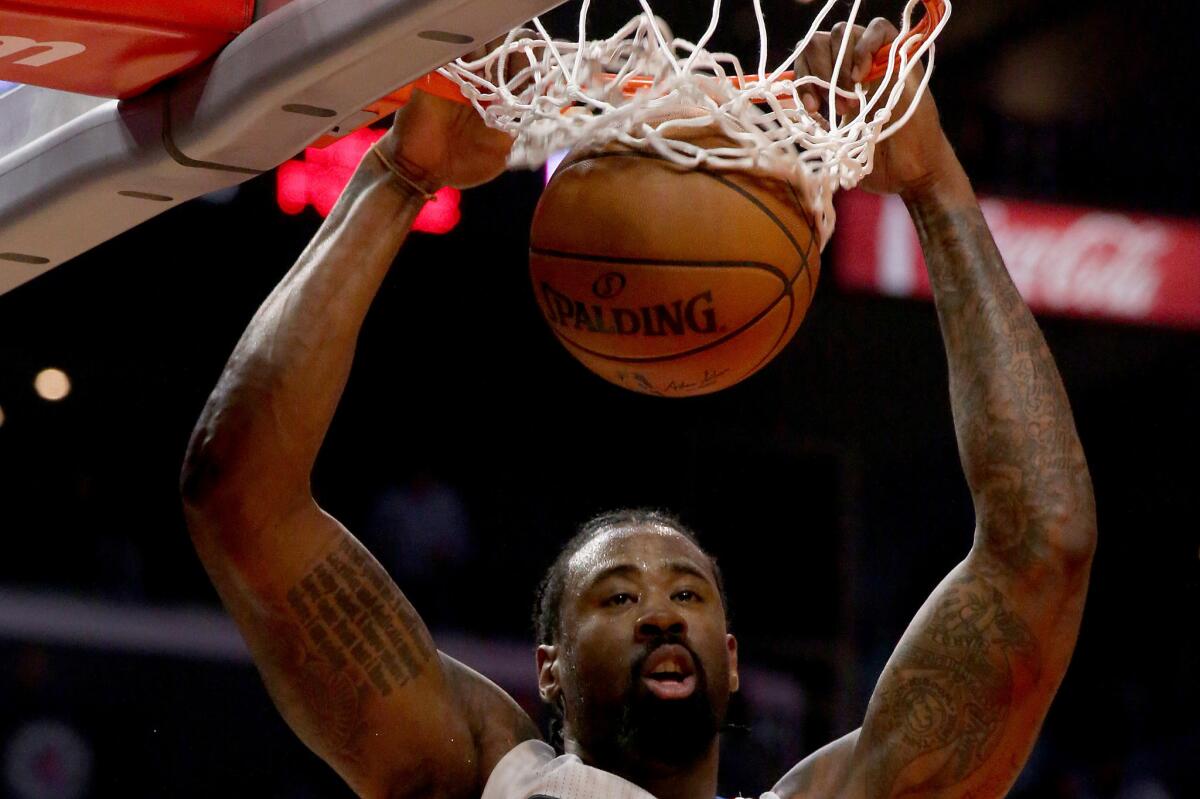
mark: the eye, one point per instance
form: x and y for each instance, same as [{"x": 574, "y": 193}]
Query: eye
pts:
[
  {"x": 687, "y": 596},
  {"x": 620, "y": 599}
]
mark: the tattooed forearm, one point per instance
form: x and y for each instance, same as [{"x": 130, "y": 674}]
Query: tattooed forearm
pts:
[
  {"x": 942, "y": 705},
  {"x": 1016, "y": 434}
]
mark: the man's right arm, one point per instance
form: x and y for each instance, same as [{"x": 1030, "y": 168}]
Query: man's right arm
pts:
[{"x": 346, "y": 659}]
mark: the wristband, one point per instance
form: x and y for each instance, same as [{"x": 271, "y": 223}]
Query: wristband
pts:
[{"x": 394, "y": 168}]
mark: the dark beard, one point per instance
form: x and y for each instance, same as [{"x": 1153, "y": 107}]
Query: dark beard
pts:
[{"x": 664, "y": 732}]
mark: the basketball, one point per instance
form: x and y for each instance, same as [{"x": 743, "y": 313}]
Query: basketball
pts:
[{"x": 666, "y": 280}]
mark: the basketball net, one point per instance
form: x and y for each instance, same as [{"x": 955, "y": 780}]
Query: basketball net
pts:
[{"x": 639, "y": 89}]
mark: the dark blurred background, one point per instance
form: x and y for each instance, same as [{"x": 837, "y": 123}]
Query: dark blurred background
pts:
[{"x": 469, "y": 444}]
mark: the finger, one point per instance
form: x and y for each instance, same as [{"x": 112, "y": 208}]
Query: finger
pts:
[
  {"x": 880, "y": 33},
  {"x": 820, "y": 65},
  {"x": 838, "y": 36},
  {"x": 808, "y": 92}
]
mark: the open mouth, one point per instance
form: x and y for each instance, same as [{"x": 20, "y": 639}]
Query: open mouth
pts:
[{"x": 670, "y": 673}]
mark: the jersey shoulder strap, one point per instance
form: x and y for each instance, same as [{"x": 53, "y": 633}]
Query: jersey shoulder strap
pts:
[{"x": 533, "y": 770}]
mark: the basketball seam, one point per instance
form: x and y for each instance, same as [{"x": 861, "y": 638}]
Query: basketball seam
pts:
[
  {"x": 812, "y": 240},
  {"x": 804, "y": 254},
  {"x": 778, "y": 223},
  {"x": 782, "y": 341},
  {"x": 776, "y": 348},
  {"x": 787, "y": 283},
  {"x": 704, "y": 263}
]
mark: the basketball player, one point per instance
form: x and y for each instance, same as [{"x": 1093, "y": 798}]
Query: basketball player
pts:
[{"x": 634, "y": 653}]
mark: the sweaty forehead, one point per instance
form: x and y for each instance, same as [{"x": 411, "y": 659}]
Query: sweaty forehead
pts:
[{"x": 644, "y": 546}]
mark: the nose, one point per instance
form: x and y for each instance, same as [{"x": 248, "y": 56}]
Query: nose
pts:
[{"x": 660, "y": 622}]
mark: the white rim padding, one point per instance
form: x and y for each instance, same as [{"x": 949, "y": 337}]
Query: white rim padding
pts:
[
  {"x": 560, "y": 98},
  {"x": 84, "y": 171}
]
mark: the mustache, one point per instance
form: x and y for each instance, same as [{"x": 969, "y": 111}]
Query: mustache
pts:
[{"x": 639, "y": 661}]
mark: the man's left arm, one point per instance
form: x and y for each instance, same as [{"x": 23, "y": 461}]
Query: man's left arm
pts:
[{"x": 961, "y": 701}]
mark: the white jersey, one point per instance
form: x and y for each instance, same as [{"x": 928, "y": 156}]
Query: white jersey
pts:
[{"x": 532, "y": 770}]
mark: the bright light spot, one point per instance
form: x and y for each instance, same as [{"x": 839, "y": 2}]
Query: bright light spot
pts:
[
  {"x": 52, "y": 384},
  {"x": 553, "y": 162},
  {"x": 291, "y": 191},
  {"x": 319, "y": 179},
  {"x": 441, "y": 216}
]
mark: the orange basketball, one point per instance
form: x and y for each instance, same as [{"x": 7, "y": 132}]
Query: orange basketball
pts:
[{"x": 666, "y": 280}]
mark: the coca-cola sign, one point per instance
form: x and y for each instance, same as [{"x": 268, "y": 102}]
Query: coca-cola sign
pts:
[{"x": 1073, "y": 261}]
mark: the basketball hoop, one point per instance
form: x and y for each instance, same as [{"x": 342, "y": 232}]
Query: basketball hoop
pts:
[{"x": 632, "y": 87}]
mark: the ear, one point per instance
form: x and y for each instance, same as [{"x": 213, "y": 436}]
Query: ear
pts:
[
  {"x": 547, "y": 670},
  {"x": 731, "y": 646}
]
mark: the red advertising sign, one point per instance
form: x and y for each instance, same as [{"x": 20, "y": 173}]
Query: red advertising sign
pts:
[
  {"x": 1071, "y": 261},
  {"x": 113, "y": 48},
  {"x": 319, "y": 178}
]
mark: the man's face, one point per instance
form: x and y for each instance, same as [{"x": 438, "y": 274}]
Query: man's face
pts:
[{"x": 644, "y": 666}]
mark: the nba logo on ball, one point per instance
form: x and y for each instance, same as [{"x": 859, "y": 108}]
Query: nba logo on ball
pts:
[{"x": 669, "y": 281}]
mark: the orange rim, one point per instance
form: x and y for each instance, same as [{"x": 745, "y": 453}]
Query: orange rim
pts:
[
  {"x": 935, "y": 10},
  {"x": 437, "y": 84}
]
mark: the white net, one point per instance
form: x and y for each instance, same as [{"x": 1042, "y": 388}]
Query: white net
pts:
[{"x": 641, "y": 89}]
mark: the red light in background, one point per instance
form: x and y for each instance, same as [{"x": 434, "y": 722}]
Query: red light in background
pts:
[
  {"x": 441, "y": 216},
  {"x": 319, "y": 178}
]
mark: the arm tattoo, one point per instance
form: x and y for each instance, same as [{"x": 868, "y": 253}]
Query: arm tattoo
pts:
[
  {"x": 1016, "y": 434},
  {"x": 956, "y": 710},
  {"x": 943, "y": 703},
  {"x": 353, "y": 636}
]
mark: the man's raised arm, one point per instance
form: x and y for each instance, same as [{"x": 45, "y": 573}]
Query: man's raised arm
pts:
[
  {"x": 346, "y": 659},
  {"x": 962, "y": 699}
]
